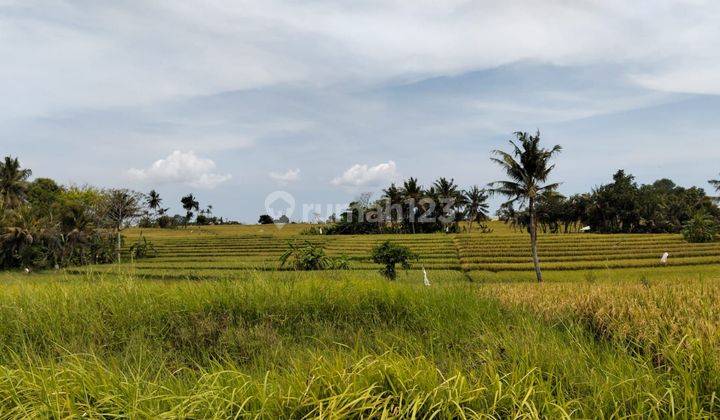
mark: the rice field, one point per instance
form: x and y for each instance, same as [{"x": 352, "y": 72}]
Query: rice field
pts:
[
  {"x": 211, "y": 328},
  {"x": 219, "y": 252}
]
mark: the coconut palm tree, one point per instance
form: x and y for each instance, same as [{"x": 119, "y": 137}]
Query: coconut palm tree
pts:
[
  {"x": 13, "y": 240},
  {"x": 394, "y": 198},
  {"x": 476, "y": 206},
  {"x": 189, "y": 203},
  {"x": 449, "y": 197},
  {"x": 412, "y": 193},
  {"x": 13, "y": 182},
  {"x": 153, "y": 201},
  {"x": 528, "y": 168}
]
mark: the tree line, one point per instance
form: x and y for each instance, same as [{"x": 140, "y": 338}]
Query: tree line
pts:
[
  {"x": 535, "y": 205},
  {"x": 622, "y": 206},
  {"x": 44, "y": 224},
  {"x": 412, "y": 208}
]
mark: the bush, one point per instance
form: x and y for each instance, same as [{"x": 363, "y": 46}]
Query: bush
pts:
[
  {"x": 390, "y": 254},
  {"x": 265, "y": 220},
  {"x": 146, "y": 222},
  {"x": 309, "y": 257},
  {"x": 166, "y": 222},
  {"x": 142, "y": 249},
  {"x": 701, "y": 228}
]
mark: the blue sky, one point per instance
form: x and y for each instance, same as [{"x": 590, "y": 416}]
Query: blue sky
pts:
[{"x": 326, "y": 100}]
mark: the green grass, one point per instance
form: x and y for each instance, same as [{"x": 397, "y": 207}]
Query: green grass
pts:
[
  {"x": 212, "y": 329},
  {"x": 337, "y": 345}
]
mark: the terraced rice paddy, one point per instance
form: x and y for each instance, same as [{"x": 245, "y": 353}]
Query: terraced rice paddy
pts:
[{"x": 218, "y": 252}]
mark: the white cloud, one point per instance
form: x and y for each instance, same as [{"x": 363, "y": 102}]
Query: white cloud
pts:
[
  {"x": 182, "y": 168},
  {"x": 362, "y": 175},
  {"x": 700, "y": 77},
  {"x": 291, "y": 175},
  {"x": 61, "y": 55}
]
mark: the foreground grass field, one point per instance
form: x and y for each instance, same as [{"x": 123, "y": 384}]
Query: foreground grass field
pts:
[{"x": 141, "y": 341}]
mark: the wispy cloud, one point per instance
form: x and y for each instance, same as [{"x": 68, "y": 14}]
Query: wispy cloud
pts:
[
  {"x": 291, "y": 175},
  {"x": 181, "y": 168},
  {"x": 139, "y": 53}
]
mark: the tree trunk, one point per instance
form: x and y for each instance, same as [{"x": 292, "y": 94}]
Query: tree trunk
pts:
[
  {"x": 412, "y": 221},
  {"x": 533, "y": 241},
  {"x": 118, "y": 246}
]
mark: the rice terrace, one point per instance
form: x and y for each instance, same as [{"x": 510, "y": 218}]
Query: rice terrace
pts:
[{"x": 457, "y": 209}]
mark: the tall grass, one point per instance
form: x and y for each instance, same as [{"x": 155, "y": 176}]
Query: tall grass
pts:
[{"x": 328, "y": 345}]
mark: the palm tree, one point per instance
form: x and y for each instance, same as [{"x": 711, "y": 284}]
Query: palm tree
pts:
[
  {"x": 189, "y": 204},
  {"x": 449, "y": 197},
  {"x": 412, "y": 192},
  {"x": 394, "y": 198},
  {"x": 13, "y": 182},
  {"x": 153, "y": 201},
  {"x": 476, "y": 206},
  {"x": 528, "y": 167},
  {"x": 13, "y": 241}
]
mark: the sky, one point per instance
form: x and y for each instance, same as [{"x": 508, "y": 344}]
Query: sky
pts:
[{"x": 325, "y": 100}]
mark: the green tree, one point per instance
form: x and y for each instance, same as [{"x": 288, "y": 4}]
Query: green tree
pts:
[
  {"x": 154, "y": 201},
  {"x": 528, "y": 168},
  {"x": 121, "y": 206},
  {"x": 394, "y": 200},
  {"x": 700, "y": 228},
  {"x": 13, "y": 182},
  {"x": 412, "y": 192},
  {"x": 476, "y": 206},
  {"x": 189, "y": 203},
  {"x": 389, "y": 255},
  {"x": 13, "y": 242},
  {"x": 43, "y": 194},
  {"x": 265, "y": 219},
  {"x": 449, "y": 197}
]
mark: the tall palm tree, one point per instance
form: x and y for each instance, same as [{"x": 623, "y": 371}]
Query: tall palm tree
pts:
[
  {"x": 189, "y": 203},
  {"x": 527, "y": 168},
  {"x": 449, "y": 196},
  {"x": 13, "y": 182},
  {"x": 394, "y": 198},
  {"x": 153, "y": 201},
  {"x": 412, "y": 193},
  {"x": 476, "y": 206}
]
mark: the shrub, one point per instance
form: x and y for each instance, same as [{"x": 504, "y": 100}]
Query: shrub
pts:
[
  {"x": 142, "y": 249},
  {"x": 340, "y": 263},
  {"x": 700, "y": 228},
  {"x": 309, "y": 257},
  {"x": 146, "y": 222},
  {"x": 265, "y": 220},
  {"x": 166, "y": 222},
  {"x": 390, "y": 254}
]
